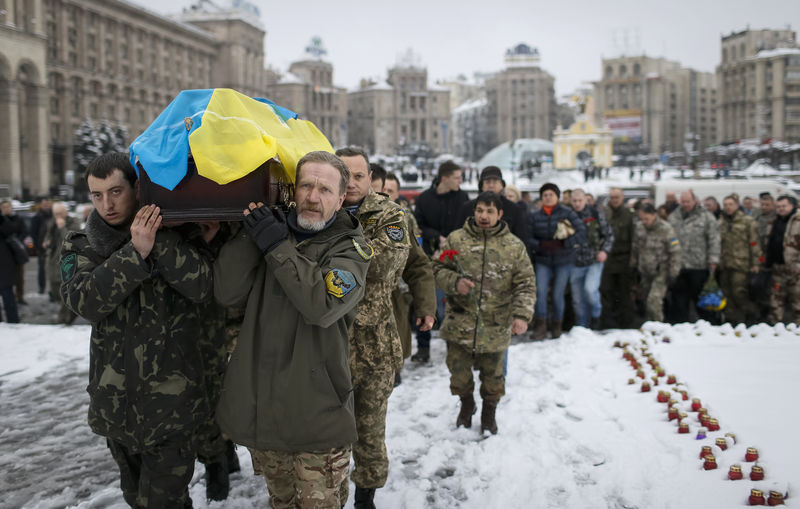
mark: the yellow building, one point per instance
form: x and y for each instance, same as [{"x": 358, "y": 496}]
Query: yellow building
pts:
[{"x": 582, "y": 144}]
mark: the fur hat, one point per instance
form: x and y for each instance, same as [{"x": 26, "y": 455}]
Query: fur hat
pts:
[{"x": 552, "y": 187}]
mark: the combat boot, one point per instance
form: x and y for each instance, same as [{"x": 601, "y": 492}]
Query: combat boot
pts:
[
  {"x": 539, "y": 331},
  {"x": 466, "y": 412},
  {"x": 423, "y": 355},
  {"x": 364, "y": 498},
  {"x": 488, "y": 422},
  {"x": 217, "y": 483},
  {"x": 555, "y": 329}
]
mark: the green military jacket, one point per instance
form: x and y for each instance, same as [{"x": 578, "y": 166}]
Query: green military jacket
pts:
[
  {"x": 288, "y": 384},
  {"x": 146, "y": 372},
  {"x": 698, "y": 233},
  {"x": 764, "y": 222},
  {"x": 740, "y": 244},
  {"x": 505, "y": 286},
  {"x": 375, "y": 341},
  {"x": 621, "y": 222},
  {"x": 656, "y": 249}
]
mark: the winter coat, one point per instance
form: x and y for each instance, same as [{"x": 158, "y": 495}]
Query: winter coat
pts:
[
  {"x": 656, "y": 250},
  {"x": 54, "y": 238},
  {"x": 599, "y": 237},
  {"x": 438, "y": 215},
  {"x": 698, "y": 233},
  {"x": 375, "y": 342},
  {"x": 791, "y": 242},
  {"x": 146, "y": 382},
  {"x": 740, "y": 246},
  {"x": 541, "y": 236},
  {"x": 764, "y": 225},
  {"x": 514, "y": 216},
  {"x": 38, "y": 226},
  {"x": 622, "y": 226},
  {"x": 10, "y": 226},
  {"x": 505, "y": 286},
  {"x": 288, "y": 385}
]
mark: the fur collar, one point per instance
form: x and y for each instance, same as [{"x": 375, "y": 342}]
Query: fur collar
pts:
[{"x": 104, "y": 238}]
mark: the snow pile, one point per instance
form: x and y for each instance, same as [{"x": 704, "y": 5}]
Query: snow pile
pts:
[{"x": 573, "y": 432}]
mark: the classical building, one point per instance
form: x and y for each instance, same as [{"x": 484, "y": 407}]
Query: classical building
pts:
[
  {"x": 759, "y": 86},
  {"x": 521, "y": 98},
  {"x": 654, "y": 105},
  {"x": 470, "y": 129},
  {"x": 308, "y": 90},
  {"x": 402, "y": 115},
  {"x": 62, "y": 61},
  {"x": 583, "y": 143}
]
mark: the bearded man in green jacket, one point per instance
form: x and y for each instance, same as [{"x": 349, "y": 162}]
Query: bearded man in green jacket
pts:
[
  {"x": 288, "y": 394},
  {"x": 491, "y": 291}
]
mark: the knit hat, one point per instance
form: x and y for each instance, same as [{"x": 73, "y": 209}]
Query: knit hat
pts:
[
  {"x": 491, "y": 172},
  {"x": 550, "y": 187}
]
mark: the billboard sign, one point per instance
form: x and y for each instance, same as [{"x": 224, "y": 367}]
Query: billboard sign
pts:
[{"x": 625, "y": 124}]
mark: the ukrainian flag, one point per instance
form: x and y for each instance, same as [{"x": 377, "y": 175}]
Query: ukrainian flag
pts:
[{"x": 229, "y": 135}]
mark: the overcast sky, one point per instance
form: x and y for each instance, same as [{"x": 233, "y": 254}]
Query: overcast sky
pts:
[{"x": 365, "y": 38}]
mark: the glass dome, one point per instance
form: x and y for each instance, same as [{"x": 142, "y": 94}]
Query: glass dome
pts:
[{"x": 525, "y": 151}]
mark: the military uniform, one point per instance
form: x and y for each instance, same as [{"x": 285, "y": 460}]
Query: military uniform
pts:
[
  {"x": 477, "y": 326},
  {"x": 616, "y": 282},
  {"x": 375, "y": 348},
  {"x": 54, "y": 239},
  {"x": 786, "y": 275},
  {"x": 656, "y": 254},
  {"x": 762, "y": 294},
  {"x": 146, "y": 379},
  {"x": 287, "y": 393},
  {"x": 740, "y": 251}
]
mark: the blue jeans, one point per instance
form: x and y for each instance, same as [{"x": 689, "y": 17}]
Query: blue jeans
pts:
[
  {"x": 560, "y": 275},
  {"x": 9, "y": 304},
  {"x": 424, "y": 337},
  {"x": 585, "y": 284}
]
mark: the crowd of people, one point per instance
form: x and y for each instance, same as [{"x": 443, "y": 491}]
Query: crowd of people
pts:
[{"x": 287, "y": 332}]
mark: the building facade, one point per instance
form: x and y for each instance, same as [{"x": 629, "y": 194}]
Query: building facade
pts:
[
  {"x": 470, "y": 138},
  {"x": 521, "y": 98},
  {"x": 308, "y": 90},
  {"x": 654, "y": 105},
  {"x": 759, "y": 86},
  {"x": 402, "y": 115},
  {"x": 64, "y": 61}
]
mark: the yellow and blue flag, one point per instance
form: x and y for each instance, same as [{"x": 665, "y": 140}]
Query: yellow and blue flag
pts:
[{"x": 228, "y": 134}]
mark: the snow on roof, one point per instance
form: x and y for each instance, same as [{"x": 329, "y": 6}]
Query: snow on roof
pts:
[
  {"x": 291, "y": 78},
  {"x": 470, "y": 105},
  {"x": 769, "y": 53}
]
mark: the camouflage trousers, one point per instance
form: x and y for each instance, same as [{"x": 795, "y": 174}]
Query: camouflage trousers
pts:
[
  {"x": 654, "y": 288},
  {"x": 156, "y": 478},
  {"x": 370, "y": 398},
  {"x": 785, "y": 294},
  {"x": 490, "y": 365},
  {"x": 740, "y": 307},
  {"x": 305, "y": 480}
]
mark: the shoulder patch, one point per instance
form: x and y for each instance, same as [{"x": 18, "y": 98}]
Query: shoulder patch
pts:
[
  {"x": 69, "y": 265},
  {"x": 395, "y": 233},
  {"x": 340, "y": 282},
  {"x": 674, "y": 242},
  {"x": 362, "y": 252}
]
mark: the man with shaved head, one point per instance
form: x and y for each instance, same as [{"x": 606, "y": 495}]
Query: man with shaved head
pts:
[{"x": 698, "y": 233}]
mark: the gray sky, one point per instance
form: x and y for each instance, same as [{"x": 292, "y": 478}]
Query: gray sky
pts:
[{"x": 365, "y": 38}]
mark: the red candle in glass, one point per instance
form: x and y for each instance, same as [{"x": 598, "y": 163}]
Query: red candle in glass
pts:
[
  {"x": 751, "y": 454},
  {"x": 756, "y": 497},
  {"x": 757, "y": 473},
  {"x": 735, "y": 473}
]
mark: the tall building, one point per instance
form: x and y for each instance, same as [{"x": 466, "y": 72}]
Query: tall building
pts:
[
  {"x": 759, "y": 86},
  {"x": 654, "y": 105},
  {"x": 401, "y": 115},
  {"x": 62, "y": 61},
  {"x": 521, "y": 98},
  {"x": 308, "y": 90},
  {"x": 470, "y": 129}
]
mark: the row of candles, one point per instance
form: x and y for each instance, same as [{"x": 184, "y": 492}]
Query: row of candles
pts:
[{"x": 707, "y": 422}]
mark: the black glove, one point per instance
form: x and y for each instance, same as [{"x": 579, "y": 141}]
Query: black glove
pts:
[{"x": 266, "y": 227}]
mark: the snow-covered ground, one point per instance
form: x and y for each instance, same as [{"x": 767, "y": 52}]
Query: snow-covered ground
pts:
[{"x": 573, "y": 432}]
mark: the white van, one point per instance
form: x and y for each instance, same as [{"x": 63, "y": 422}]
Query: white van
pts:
[{"x": 720, "y": 188}]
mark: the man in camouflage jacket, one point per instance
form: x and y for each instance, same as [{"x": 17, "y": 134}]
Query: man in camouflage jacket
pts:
[
  {"x": 491, "y": 291},
  {"x": 375, "y": 349},
  {"x": 656, "y": 255},
  {"x": 740, "y": 256},
  {"x": 698, "y": 232},
  {"x": 140, "y": 288},
  {"x": 783, "y": 257}
]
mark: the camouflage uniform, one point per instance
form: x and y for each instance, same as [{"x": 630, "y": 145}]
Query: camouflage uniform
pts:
[
  {"x": 656, "y": 254},
  {"x": 375, "y": 349},
  {"x": 786, "y": 276},
  {"x": 477, "y": 327},
  {"x": 147, "y": 384},
  {"x": 616, "y": 282},
  {"x": 763, "y": 293},
  {"x": 740, "y": 251},
  {"x": 54, "y": 238},
  {"x": 416, "y": 286}
]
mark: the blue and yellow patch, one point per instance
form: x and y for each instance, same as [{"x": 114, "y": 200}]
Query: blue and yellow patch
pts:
[
  {"x": 362, "y": 252},
  {"x": 395, "y": 232},
  {"x": 340, "y": 282},
  {"x": 69, "y": 264},
  {"x": 673, "y": 242}
]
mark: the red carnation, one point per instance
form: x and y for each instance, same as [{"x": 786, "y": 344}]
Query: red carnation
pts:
[{"x": 448, "y": 253}]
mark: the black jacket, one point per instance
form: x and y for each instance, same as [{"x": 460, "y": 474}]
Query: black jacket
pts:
[
  {"x": 10, "y": 226},
  {"x": 513, "y": 214},
  {"x": 544, "y": 247},
  {"x": 438, "y": 215}
]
